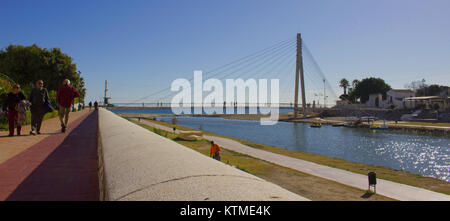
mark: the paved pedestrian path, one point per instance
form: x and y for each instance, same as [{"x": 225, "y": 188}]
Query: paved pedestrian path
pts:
[
  {"x": 54, "y": 165},
  {"x": 384, "y": 187},
  {"x": 11, "y": 146}
]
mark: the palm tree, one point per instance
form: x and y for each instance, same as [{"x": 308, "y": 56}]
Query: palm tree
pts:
[
  {"x": 344, "y": 84},
  {"x": 355, "y": 82}
]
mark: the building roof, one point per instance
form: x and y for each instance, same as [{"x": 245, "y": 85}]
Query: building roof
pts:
[
  {"x": 423, "y": 98},
  {"x": 402, "y": 90}
]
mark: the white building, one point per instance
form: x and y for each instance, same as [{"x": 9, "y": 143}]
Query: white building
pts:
[
  {"x": 394, "y": 97},
  {"x": 397, "y": 98},
  {"x": 375, "y": 100},
  {"x": 427, "y": 101}
]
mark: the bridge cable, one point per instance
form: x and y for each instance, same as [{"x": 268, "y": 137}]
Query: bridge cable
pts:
[{"x": 233, "y": 62}]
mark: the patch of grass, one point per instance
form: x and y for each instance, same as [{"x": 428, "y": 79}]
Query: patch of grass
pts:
[
  {"x": 309, "y": 186},
  {"x": 160, "y": 132},
  {"x": 398, "y": 176}
]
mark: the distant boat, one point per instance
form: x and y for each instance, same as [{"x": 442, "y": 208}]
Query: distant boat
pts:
[
  {"x": 378, "y": 127},
  {"x": 316, "y": 124}
]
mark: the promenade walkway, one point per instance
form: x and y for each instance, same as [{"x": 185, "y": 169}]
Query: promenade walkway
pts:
[
  {"x": 384, "y": 187},
  {"x": 53, "y": 165},
  {"x": 11, "y": 146},
  {"x": 141, "y": 165}
]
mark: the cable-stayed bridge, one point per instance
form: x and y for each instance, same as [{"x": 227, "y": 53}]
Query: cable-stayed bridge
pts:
[{"x": 301, "y": 81}]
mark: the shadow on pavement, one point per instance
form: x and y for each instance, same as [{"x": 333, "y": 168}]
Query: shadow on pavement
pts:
[
  {"x": 367, "y": 195},
  {"x": 69, "y": 172}
]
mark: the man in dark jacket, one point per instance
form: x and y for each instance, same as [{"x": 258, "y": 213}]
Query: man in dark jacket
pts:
[
  {"x": 38, "y": 98},
  {"x": 9, "y": 108},
  {"x": 66, "y": 95}
]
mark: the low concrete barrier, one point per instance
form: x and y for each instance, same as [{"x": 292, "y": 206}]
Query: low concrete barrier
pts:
[{"x": 141, "y": 165}]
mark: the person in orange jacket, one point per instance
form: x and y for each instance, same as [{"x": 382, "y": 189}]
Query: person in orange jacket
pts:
[{"x": 214, "y": 151}]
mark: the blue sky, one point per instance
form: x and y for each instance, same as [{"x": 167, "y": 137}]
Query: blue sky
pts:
[{"x": 142, "y": 46}]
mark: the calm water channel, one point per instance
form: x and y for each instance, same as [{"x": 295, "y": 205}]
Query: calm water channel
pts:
[{"x": 421, "y": 154}]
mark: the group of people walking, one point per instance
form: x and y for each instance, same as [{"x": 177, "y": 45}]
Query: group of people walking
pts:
[
  {"x": 95, "y": 105},
  {"x": 16, "y": 105}
]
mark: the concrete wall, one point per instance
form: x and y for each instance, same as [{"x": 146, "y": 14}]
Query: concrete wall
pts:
[
  {"x": 379, "y": 113},
  {"x": 375, "y": 100},
  {"x": 141, "y": 165},
  {"x": 444, "y": 117}
]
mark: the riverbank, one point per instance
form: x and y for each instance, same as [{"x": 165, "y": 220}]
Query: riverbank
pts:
[
  {"x": 407, "y": 126},
  {"x": 312, "y": 187},
  {"x": 411, "y": 179}
]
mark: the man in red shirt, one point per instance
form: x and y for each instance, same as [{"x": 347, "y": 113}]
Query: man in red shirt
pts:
[{"x": 65, "y": 97}]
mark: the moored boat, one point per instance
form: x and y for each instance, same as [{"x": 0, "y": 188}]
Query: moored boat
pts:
[
  {"x": 378, "y": 127},
  {"x": 315, "y": 125}
]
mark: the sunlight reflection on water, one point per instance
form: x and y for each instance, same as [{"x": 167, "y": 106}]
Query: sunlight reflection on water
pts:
[{"x": 421, "y": 154}]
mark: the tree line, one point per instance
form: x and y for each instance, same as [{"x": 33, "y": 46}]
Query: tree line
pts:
[
  {"x": 25, "y": 65},
  {"x": 359, "y": 90}
]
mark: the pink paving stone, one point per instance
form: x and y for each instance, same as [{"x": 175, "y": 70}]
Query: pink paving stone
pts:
[{"x": 63, "y": 166}]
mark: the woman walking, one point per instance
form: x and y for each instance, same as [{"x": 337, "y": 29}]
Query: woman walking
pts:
[{"x": 9, "y": 108}]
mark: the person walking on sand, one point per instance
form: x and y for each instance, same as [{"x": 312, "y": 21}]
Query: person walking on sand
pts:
[
  {"x": 9, "y": 108},
  {"x": 214, "y": 151},
  {"x": 90, "y": 105},
  {"x": 96, "y": 105},
  {"x": 65, "y": 97},
  {"x": 38, "y": 99}
]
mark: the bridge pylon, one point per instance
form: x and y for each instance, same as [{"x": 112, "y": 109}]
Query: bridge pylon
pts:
[{"x": 299, "y": 74}]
